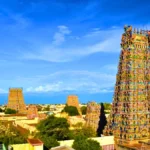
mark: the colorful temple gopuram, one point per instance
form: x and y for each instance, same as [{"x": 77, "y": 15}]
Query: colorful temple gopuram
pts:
[
  {"x": 129, "y": 120},
  {"x": 93, "y": 115},
  {"x": 16, "y": 100}
]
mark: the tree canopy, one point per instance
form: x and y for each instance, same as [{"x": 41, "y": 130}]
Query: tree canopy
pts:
[
  {"x": 55, "y": 127},
  {"x": 10, "y": 111},
  {"x": 83, "y": 110},
  {"x": 71, "y": 110},
  {"x": 11, "y": 135},
  {"x": 47, "y": 108},
  {"x": 1, "y": 110},
  {"x": 107, "y": 106},
  {"x": 81, "y": 142},
  {"x": 84, "y": 130},
  {"x": 49, "y": 141}
]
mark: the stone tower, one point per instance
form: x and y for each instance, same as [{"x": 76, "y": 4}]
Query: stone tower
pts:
[
  {"x": 129, "y": 120},
  {"x": 16, "y": 100},
  {"x": 72, "y": 100},
  {"x": 92, "y": 115}
]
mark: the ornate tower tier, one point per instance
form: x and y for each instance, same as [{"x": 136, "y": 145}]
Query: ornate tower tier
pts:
[
  {"x": 16, "y": 100},
  {"x": 93, "y": 115},
  {"x": 130, "y": 115}
]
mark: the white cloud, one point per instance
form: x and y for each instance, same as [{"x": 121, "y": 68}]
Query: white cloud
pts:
[
  {"x": 92, "y": 42},
  {"x": 2, "y": 91},
  {"x": 77, "y": 81},
  {"x": 59, "y": 37}
]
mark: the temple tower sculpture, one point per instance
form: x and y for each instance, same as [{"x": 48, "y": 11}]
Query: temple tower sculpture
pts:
[
  {"x": 16, "y": 100},
  {"x": 129, "y": 120},
  {"x": 32, "y": 112},
  {"x": 72, "y": 100},
  {"x": 92, "y": 115}
]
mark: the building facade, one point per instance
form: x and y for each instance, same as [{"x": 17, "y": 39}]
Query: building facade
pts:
[{"x": 129, "y": 120}]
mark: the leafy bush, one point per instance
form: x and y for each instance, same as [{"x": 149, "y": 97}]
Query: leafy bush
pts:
[
  {"x": 81, "y": 142},
  {"x": 49, "y": 142},
  {"x": 83, "y": 110},
  {"x": 55, "y": 127},
  {"x": 71, "y": 110},
  {"x": 10, "y": 111}
]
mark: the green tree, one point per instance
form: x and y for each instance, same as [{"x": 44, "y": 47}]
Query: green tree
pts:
[
  {"x": 81, "y": 142},
  {"x": 84, "y": 130},
  {"x": 94, "y": 145},
  {"x": 88, "y": 131},
  {"x": 1, "y": 110},
  {"x": 10, "y": 111},
  {"x": 49, "y": 142},
  {"x": 102, "y": 121},
  {"x": 107, "y": 106},
  {"x": 71, "y": 110},
  {"x": 83, "y": 110},
  {"x": 56, "y": 127},
  {"x": 11, "y": 135},
  {"x": 46, "y": 108},
  {"x": 39, "y": 107}
]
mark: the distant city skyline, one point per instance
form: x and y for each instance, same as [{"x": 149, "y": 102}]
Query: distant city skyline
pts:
[{"x": 55, "y": 48}]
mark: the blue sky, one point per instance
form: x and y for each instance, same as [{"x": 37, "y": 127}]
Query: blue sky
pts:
[{"x": 53, "y": 48}]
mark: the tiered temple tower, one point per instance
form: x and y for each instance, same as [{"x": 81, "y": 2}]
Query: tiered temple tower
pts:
[
  {"x": 92, "y": 115},
  {"x": 16, "y": 100},
  {"x": 72, "y": 100},
  {"x": 129, "y": 120}
]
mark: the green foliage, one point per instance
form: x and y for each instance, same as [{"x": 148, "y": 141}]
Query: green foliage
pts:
[
  {"x": 56, "y": 127},
  {"x": 106, "y": 112},
  {"x": 107, "y": 106},
  {"x": 46, "y": 108},
  {"x": 82, "y": 143},
  {"x": 1, "y": 110},
  {"x": 39, "y": 107},
  {"x": 86, "y": 131},
  {"x": 10, "y": 111},
  {"x": 7, "y": 140},
  {"x": 49, "y": 142},
  {"x": 71, "y": 110},
  {"x": 11, "y": 136},
  {"x": 89, "y": 131},
  {"x": 94, "y": 145},
  {"x": 83, "y": 110}
]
